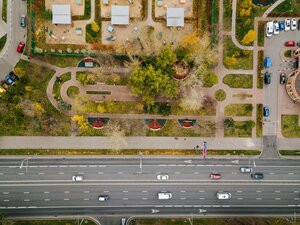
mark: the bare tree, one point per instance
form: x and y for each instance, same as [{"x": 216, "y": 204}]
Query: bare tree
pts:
[
  {"x": 116, "y": 134},
  {"x": 191, "y": 99}
]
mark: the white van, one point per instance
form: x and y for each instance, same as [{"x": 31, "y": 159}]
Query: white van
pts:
[
  {"x": 164, "y": 195},
  {"x": 223, "y": 195}
]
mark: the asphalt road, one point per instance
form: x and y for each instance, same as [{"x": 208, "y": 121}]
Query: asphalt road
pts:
[{"x": 46, "y": 188}]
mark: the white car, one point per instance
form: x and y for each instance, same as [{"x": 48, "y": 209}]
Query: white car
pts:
[
  {"x": 276, "y": 27},
  {"x": 293, "y": 24},
  {"x": 269, "y": 28},
  {"x": 287, "y": 24},
  {"x": 162, "y": 177},
  {"x": 77, "y": 178},
  {"x": 223, "y": 195},
  {"x": 246, "y": 169}
]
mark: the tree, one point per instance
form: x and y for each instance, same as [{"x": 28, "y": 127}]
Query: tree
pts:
[
  {"x": 5, "y": 221},
  {"x": 116, "y": 134},
  {"x": 249, "y": 37},
  {"x": 190, "y": 42},
  {"x": 192, "y": 99},
  {"x": 19, "y": 72},
  {"x": 85, "y": 78},
  {"x": 81, "y": 121},
  {"x": 230, "y": 61},
  {"x": 39, "y": 109},
  {"x": 95, "y": 27},
  {"x": 165, "y": 58},
  {"x": 228, "y": 122}
]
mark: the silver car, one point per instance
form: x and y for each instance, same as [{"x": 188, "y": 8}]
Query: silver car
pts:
[{"x": 246, "y": 169}]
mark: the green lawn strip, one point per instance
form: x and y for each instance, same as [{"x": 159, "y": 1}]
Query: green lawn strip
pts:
[
  {"x": 99, "y": 92},
  {"x": 289, "y": 126},
  {"x": 4, "y": 10},
  {"x": 53, "y": 222},
  {"x": 124, "y": 152},
  {"x": 235, "y": 58},
  {"x": 220, "y": 95},
  {"x": 3, "y": 41},
  {"x": 238, "y": 80},
  {"x": 209, "y": 79},
  {"x": 260, "y": 67},
  {"x": 259, "y": 120},
  {"x": 66, "y": 61},
  {"x": 288, "y": 8},
  {"x": 227, "y": 15},
  {"x": 73, "y": 91},
  {"x": 238, "y": 110},
  {"x": 290, "y": 152},
  {"x": 240, "y": 129},
  {"x": 57, "y": 85},
  {"x": 206, "y": 110},
  {"x": 25, "y": 108},
  {"x": 242, "y": 95},
  {"x": 261, "y": 32},
  {"x": 110, "y": 79}
]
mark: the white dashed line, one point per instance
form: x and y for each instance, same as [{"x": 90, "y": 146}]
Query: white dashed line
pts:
[
  {"x": 277, "y": 198},
  {"x": 106, "y": 191},
  {"x": 41, "y": 173},
  {"x": 100, "y": 173},
  {"x": 119, "y": 172},
  {"x": 86, "y": 191},
  {"x": 183, "y": 191},
  {"x": 196, "y": 172},
  {"x": 21, "y": 173},
  {"x": 296, "y": 199},
  {"x": 277, "y": 191},
  {"x": 182, "y": 198},
  {"x": 46, "y": 199},
  {"x": 258, "y": 198},
  {"x": 144, "y": 198},
  {"x": 296, "y": 191},
  {"x": 239, "y": 191},
  {"x": 201, "y": 191},
  {"x": 125, "y": 198},
  {"x": 258, "y": 191},
  {"x": 86, "y": 199},
  {"x": 177, "y": 172},
  {"x": 66, "y": 199},
  {"x": 26, "y": 192},
  {"x": 46, "y": 192},
  {"x": 61, "y": 173},
  {"x": 234, "y": 173},
  {"x": 201, "y": 198},
  {"x": 6, "y": 200},
  {"x": 144, "y": 191},
  {"x": 5, "y": 193},
  {"x": 26, "y": 200},
  {"x": 290, "y": 173},
  {"x": 240, "y": 198},
  {"x": 1, "y": 173},
  {"x": 272, "y": 173},
  {"x": 66, "y": 192},
  {"x": 125, "y": 191}
]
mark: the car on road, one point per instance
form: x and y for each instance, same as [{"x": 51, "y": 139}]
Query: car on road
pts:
[
  {"x": 20, "y": 47},
  {"x": 266, "y": 111},
  {"x": 246, "y": 169},
  {"x": 77, "y": 178},
  {"x": 268, "y": 62},
  {"x": 282, "y": 78},
  {"x": 269, "y": 28},
  {"x": 8, "y": 80},
  {"x": 281, "y": 25},
  {"x": 123, "y": 221},
  {"x": 289, "y": 43},
  {"x": 257, "y": 176},
  {"x": 162, "y": 177},
  {"x": 293, "y": 24},
  {"x": 276, "y": 27},
  {"x": 287, "y": 24},
  {"x": 103, "y": 198},
  {"x": 164, "y": 195},
  {"x": 23, "y": 21},
  {"x": 215, "y": 176},
  {"x": 223, "y": 195},
  {"x": 267, "y": 78}
]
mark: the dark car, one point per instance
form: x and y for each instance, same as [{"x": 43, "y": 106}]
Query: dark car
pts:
[
  {"x": 8, "y": 80},
  {"x": 298, "y": 43},
  {"x": 13, "y": 76},
  {"x": 281, "y": 25},
  {"x": 266, "y": 111},
  {"x": 267, "y": 78},
  {"x": 257, "y": 176},
  {"x": 282, "y": 78},
  {"x": 298, "y": 24}
]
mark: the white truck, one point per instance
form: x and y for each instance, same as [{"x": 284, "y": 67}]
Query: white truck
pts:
[{"x": 164, "y": 195}]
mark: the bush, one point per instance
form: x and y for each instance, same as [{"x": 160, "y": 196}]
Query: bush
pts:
[
  {"x": 158, "y": 108},
  {"x": 209, "y": 79},
  {"x": 238, "y": 80},
  {"x": 220, "y": 95},
  {"x": 48, "y": 14},
  {"x": 95, "y": 26}
]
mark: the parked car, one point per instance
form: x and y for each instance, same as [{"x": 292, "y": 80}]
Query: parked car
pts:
[
  {"x": 276, "y": 27},
  {"x": 289, "y": 43},
  {"x": 267, "y": 78},
  {"x": 8, "y": 80},
  {"x": 257, "y": 176},
  {"x": 4, "y": 84},
  {"x": 246, "y": 169},
  {"x": 299, "y": 24},
  {"x": 162, "y": 177},
  {"x": 298, "y": 43},
  {"x": 293, "y": 24},
  {"x": 281, "y": 25},
  {"x": 77, "y": 178},
  {"x": 215, "y": 176},
  {"x": 20, "y": 47},
  {"x": 282, "y": 78},
  {"x": 13, "y": 76},
  {"x": 103, "y": 198},
  {"x": 269, "y": 28},
  {"x": 268, "y": 62},
  {"x": 23, "y": 21},
  {"x": 287, "y": 24},
  {"x": 2, "y": 90},
  {"x": 266, "y": 111}
]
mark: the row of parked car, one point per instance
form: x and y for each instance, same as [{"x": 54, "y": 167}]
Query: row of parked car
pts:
[
  {"x": 9, "y": 80},
  {"x": 274, "y": 27}
]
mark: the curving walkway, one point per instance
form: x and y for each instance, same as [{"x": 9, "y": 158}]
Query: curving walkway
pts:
[{"x": 273, "y": 6}]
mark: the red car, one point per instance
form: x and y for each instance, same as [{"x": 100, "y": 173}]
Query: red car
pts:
[
  {"x": 215, "y": 176},
  {"x": 290, "y": 44},
  {"x": 21, "y": 47}
]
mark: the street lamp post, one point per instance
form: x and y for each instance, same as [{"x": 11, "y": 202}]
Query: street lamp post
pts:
[{"x": 26, "y": 159}]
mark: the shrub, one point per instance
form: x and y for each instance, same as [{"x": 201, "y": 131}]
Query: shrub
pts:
[{"x": 220, "y": 95}]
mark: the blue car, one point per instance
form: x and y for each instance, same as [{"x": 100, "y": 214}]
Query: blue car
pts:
[
  {"x": 266, "y": 111},
  {"x": 281, "y": 25},
  {"x": 268, "y": 62},
  {"x": 9, "y": 80}
]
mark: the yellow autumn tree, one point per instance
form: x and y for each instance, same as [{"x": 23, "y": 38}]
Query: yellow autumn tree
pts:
[
  {"x": 190, "y": 41},
  {"x": 249, "y": 37},
  {"x": 39, "y": 109},
  {"x": 95, "y": 27},
  {"x": 230, "y": 61},
  {"x": 81, "y": 121},
  {"x": 19, "y": 72}
]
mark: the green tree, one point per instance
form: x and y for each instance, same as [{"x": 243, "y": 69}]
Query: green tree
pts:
[
  {"x": 165, "y": 58},
  {"x": 228, "y": 122}
]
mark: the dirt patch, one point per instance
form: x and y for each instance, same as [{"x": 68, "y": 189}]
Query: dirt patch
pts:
[
  {"x": 135, "y": 8},
  {"x": 76, "y": 9},
  {"x": 161, "y": 11}
]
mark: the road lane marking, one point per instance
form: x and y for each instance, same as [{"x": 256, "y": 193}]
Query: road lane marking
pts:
[
  {"x": 240, "y": 198},
  {"x": 296, "y": 191},
  {"x": 86, "y": 191},
  {"x": 119, "y": 172},
  {"x": 296, "y": 199},
  {"x": 5, "y": 193},
  {"x": 125, "y": 191},
  {"x": 106, "y": 191},
  {"x": 145, "y": 191},
  {"x": 196, "y": 172},
  {"x": 272, "y": 173},
  {"x": 12, "y": 166},
  {"x": 290, "y": 173},
  {"x": 277, "y": 191},
  {"x": 258, "y": 198},
  {"x": 46, "y": 192},
  {"x": 6, "y": 200},
  {"x": 46, "y": 199},
  {"x": 234, "y": 173},
  {"x": 26, "y": 200},
  {"x": 239, "y": 191},
  {"x": 277, "y": 198},
  {"x": 183, "y": 191},
  {"x": 125, "y": 198},
  {"x": 201, "y": 198},
  {"x": 258, "y": 191},
  {"x": 86, "y": 199},
  {"x": 201, "y": 191},
  {"x": 1, "y": 173},
  {"x": 61, "y": 173},
  {"x": 41, "y": 173},
  {"x": 100, "y": 173},
  {"x": 182, "y": 198},
  {"x": 67, "y": 192},
  {"x": 21, "y": 173},
  {"x": 177, "y": 172},
  {"x": 144, "y": 198},
  {"x": 26, "y": 192},
  {"x": 66, "y": 199}
]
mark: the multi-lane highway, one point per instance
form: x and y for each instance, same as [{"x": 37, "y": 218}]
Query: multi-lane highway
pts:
[{"x": 44, "y": 186}]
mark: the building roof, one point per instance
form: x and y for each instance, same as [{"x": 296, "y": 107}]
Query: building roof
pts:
[
  {"x": 175, "y": 17},
  {"x": 120, "y": 15},
  {"x": 61, "y": 14}
]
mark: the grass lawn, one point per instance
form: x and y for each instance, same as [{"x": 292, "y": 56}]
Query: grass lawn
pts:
[
  {"x": 57, "y": 85},
  {"x": 261, "y": 33},
  {"x": 206, "y": 110},
  {"x": 238, "y": 80},
  {"x": 289, "y": 152},
  {"x": 4, "y": 10},
  {"x": 53, "y": 222},
  {"x": 227, "y": 15},
  {"x": 260, "y": 67},
  {"x": 220, "y": 95},
  {"x": 240, "y": 129},
  {"x": 289, "y": 8},
  {"x": 25, "y": 108},
  {"x": 60, "y": 61},
  {"x": 209, "y": 79},
  {"x": 73, "y": 91},
  {"x": 242, "y": 95},
  {"x": 238, "y": 110},
  {"x": 259, "y": 119},
  {"x": 110, "y": 79},
  {"x": 235, "y": 58},
  {"x": 289, "y": 126},
  {"x": 3, "y": 41}
]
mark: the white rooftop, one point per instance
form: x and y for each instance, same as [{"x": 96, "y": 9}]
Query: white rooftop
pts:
[
  {"x": 61, "y": 14},
  {"x": 175, "y": 17},
  {"x": 120, "y": 15}
]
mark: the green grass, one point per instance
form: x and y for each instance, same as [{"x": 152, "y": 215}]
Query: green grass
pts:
[
  {"x": 240, "y": 129},
  {"x": 289, "y": 126},
  {"x": 290, "y": 152},
  {"x": 227, "y": 15},
  {"x": 25, "y": 108},
  {"x": 60, "y": 61},
  {"x": 4, "y": 10},
  {"x": 238, "y": 80},
  {"x": 99, "y": 92},
  {"x": 2, "y": 42},
  {"x": 53, "y": 222},
  {"x": 242, "y": 95},
  {"x": 206, "y": 110},
  {"x": 289, "y": 8},
  {"x": 261, "y": 33},
  {"x": 209, "y": 79},
  {"x": 111, "y": 79},
  {"x": 73, "y": 91},
  {"x": 57, "y": 85},
  {"x": 260, "y": 66},
  {"x": 220, "y": 95},
  {"x": 288, "y": 53},
  {"x": 259, "y": 119},
  {"x": 243, "y": 58},
  {"x": 238, "y": 110}
]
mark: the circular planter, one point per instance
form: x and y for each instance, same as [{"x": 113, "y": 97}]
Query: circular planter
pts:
[
  {"x": 182, "y": 70},
  {"x": 186, "y": 123},
  {"x": 97, "y": 123},
  {"x": 155, "y": 124}
]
